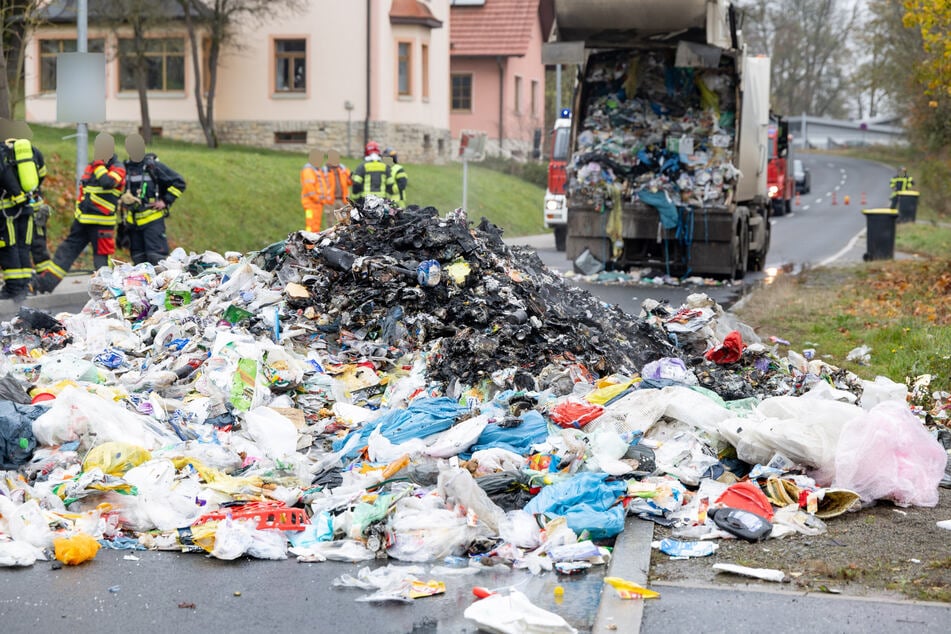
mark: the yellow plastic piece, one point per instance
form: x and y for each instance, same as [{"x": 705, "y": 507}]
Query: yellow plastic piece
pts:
[{"x": 630, "y": 590}]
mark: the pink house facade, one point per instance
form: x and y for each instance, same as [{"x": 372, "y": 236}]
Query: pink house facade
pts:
[
  {"x": 497, "y": 79},
  {"x": 329, "y": 76}
]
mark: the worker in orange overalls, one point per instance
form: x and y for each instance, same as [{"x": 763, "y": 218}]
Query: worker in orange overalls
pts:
[
  {"x": 338, "y": 182},
  {"x": 314, "y": 193}
]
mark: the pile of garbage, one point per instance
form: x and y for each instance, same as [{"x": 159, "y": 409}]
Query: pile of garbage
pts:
[
  {"x": 651, "y": 130},
  {"x": 406, "y": 386}
]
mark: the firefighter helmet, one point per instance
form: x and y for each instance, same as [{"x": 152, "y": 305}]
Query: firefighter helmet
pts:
[{"x": 372, "y": 148}]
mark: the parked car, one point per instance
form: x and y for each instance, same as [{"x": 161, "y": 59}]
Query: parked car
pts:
[{"x": 802, "y": 177}]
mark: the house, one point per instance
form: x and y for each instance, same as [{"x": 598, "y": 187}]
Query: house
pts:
[
  {"x": 296, "y": 80},
  {"x": 497, "y": 77}
]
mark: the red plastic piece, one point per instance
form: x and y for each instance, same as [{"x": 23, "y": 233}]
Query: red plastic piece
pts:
[
  {"x": 267, "y": 514},
  {"x": 749, "y": 497}
]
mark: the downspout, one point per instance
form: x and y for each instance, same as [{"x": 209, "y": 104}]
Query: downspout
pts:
[
  {"x": 366, "y": 120},
  {"x": 501, "y": 62}
]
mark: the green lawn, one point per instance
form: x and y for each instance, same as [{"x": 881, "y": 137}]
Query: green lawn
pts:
[{"x": 242, "y": 199}]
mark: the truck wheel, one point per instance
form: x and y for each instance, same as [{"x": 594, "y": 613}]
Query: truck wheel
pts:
[
  {"x": 779, "y": 208},
  {"x": 561, "y": 237},
  {"x": 788, "y": 207},
  {"x": 757, "y": 260},
  {"x": 741, "y": 249}
]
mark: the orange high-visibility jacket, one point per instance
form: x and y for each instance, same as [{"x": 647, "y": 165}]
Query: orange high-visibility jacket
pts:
[
  {"x": 314, "y": 192},
  {"x": 338, "y": 182}
]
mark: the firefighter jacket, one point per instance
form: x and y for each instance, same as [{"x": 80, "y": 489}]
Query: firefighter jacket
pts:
[
  {"x": 150, "y": 180},
  {"x": 901, "y": 183},
  {"x": 100, "y": 187},
  {"x": 399, "y": 184},
  {"x": 339, "y": 182},
  {"x": 313, "y": 188},
  {"x": 372, "y": 177}
]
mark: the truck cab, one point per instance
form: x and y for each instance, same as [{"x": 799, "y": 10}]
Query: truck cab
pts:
[
  {"x": 556, "y": 207},
  {"x": 780, "y": 179}
]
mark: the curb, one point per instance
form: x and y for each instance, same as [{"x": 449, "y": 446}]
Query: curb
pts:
[
  {"x": 71, "y": 293},
  {"x": 631, "y": 560}
]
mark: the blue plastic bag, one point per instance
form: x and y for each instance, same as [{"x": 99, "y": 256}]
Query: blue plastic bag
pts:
[
  {"x": 517, "y": 439},
  {"x": 588, "y": 501}
]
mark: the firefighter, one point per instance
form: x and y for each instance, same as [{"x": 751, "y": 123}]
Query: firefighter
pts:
[
  {"x": 900, "y": 182},
  {"x": 399, "y": 178},
  {"x": 372, "y": 177},
  {"x": 313, "y": 191},
  {"x": 94, "y": 221},
  {"x": 338, "y": 181},
  {"x": 20, "y": 167},
  {"x": 152, "y": 187},
  {"x": 39, "y": 245}
]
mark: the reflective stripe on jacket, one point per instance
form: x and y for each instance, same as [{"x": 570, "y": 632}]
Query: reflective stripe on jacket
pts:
[
  {"x": 99, "y": 193},
  {"x": 372, "y": 177}
]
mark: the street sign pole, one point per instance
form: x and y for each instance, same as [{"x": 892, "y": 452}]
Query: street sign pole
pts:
[
  {"x": 82, "y": 130},
  {"x": 465, "y": 183},
  {"x": 471, "y": 148}
]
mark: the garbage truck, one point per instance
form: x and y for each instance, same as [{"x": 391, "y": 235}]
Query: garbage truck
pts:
[{"x": 668, "y": 155}]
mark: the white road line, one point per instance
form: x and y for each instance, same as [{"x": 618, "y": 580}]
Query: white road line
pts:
[{"x": 844, "y": 249}]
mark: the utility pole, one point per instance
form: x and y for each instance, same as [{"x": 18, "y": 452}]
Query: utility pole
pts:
[{"x": 82, "y": 131}]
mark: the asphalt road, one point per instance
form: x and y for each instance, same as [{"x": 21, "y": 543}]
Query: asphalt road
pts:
[{"x": 113, "y": 594}]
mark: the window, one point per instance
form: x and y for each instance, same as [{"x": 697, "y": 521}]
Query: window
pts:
[
  {"x": 49, "y": 49},
  {"x": 461, "y": 93},
  {"x": 534, "y": 97},
  {"x": 518, "y": 95},
  {"x": 424, "y": 51},
  {"x": 404, "y": 61},
  {"x": 290, "y": 65},
  {"x": 164, "y": 64},
  {"x": 284, "y": 138}
]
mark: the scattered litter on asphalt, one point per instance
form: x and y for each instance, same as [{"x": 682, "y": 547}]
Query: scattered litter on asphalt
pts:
[{"x": 406, "y": 387}]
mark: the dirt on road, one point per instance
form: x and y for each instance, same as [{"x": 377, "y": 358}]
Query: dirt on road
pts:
[{"x": 880, "y": 551}]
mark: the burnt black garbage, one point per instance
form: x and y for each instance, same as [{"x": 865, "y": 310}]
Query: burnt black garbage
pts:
[{"x": 505, "y": 310}]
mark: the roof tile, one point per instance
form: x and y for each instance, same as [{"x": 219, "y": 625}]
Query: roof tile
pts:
[{"x": 500, "y": 27}]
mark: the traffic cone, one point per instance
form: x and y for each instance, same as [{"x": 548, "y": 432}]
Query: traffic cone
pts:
[
  {"x": 845, "y": 199},
  {"x": 833, "y": 199},
  {"x": 863, "y": 198}
]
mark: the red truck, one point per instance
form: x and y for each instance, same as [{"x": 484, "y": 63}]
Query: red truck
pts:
[{"x": 780, "y": 180}]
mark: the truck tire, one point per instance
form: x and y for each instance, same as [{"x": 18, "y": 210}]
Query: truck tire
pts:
[
  {"x": 741, "y": 248},
  {"x": 779, "y": 209},
  {"x": 561, "y": 237},
  {"x": 757, "y": 261}
]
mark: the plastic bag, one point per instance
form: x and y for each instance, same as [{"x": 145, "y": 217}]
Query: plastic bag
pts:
[
  {"x": 78, "y": 415},
  {"x": 458, "y": 486},
  {"x": 422, "y": 530},
  {"x": 18, "y": 554},
  {"x": 887, "y": 453},
  {"x": 115, "y": 458},
  {"x": 457, "y": 438},
  {"x": 232, "y": 539},
  {"x": 587, "y": 501},
  {"x": 520, "y": 529},
  {"x": 880, "y": 390},
  {"x": 575, "y": 413},
  {"x": 274, "y": 433},
  {"x": 513, "y": 613},
  {"x": 268, "y": 544},
  {"x": 75, "y": 550},
  {"x": 25, "y": 523}
]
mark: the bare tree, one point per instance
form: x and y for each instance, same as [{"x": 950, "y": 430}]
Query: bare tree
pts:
[
  {"x": 17, "y": 19},
  {"x": 219, "y": 22},
  {"x": 138, "y": 18},
  {"x": 808, "y": 42}
]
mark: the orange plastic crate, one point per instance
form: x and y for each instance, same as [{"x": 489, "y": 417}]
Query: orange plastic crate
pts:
[{"x": 267, "y": 515}]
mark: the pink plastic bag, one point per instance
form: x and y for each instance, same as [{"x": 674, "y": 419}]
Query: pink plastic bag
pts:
[{"x": 886, "y": 454}]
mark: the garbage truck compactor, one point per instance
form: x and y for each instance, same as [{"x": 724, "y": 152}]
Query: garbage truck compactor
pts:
[{"x": 668, "y": 144}]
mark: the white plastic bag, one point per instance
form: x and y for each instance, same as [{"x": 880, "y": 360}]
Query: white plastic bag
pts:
[
  {"x": 880, "y": 390},
  {"x": 274, "y": 433},
  {"x": 520, "y": 529},
  {"x": 18, "y": 554},
  {"x": 268, "y": 544},
  {"x": 458, "y": 486},
  {"x": 457, "y": 438},
  {"x": 513, "y": 613},
  {"x": 232, "y": 539}
]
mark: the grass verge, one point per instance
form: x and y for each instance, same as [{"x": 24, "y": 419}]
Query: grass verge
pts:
[{"x": 242, "y": 198}]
